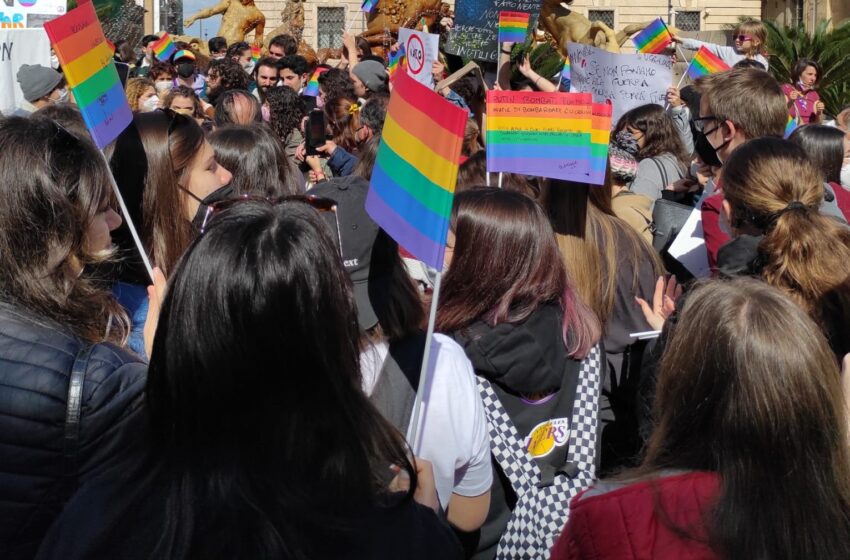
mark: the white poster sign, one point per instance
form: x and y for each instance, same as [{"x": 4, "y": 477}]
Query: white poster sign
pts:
[
  {"x": 421, "y": 51},
  {"x": 18, "y": 47},
  {"x": 689, "y": 246},
  {"x": 628, "y": 80}
]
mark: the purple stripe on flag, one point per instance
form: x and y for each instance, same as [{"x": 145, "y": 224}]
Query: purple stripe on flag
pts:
[
  {"x": 561, "y": 168},
  {"x": 109, "y": 128},
  {"x": 420, "y": 246}
]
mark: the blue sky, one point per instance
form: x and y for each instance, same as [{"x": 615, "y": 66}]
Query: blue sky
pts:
[{"x": 210, "y": 25}]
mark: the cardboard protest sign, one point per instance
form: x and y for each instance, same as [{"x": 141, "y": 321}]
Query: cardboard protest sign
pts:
[
  {"x": 628, "y": 80},
  {"x": 19, "y": 47},
  {"x": 476, "y": 26},
  {"x": 542, "y": 134},
  {"x": 421, "y": 50}
]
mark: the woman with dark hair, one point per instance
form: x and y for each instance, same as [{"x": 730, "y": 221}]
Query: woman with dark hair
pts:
[
  {"x": 70, "y": 394},
  {"x": 255, "y": 158},
  {"x": 251, "y": 456},
  {"x": 286, "y": 110},
  {"x": 804, "y": 104},
  {"x": 829, "y": 149},
  {"x": 750, "y": 456},
  {"x": 610, "y": 264},
  {"x": 334, "y": 83},
  {"x": 240, "y": 53},
  {"x": 661, "y": 156},
  {"x": 521, "y": 323},
  {"x": 343, "y": 119}
]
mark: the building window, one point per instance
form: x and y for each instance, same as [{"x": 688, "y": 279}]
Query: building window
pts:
[
  {"x": 605, "y": 16},
  {"x": 796, "y": 13},
  {"x": 329, "y": 26},
  {"x": 688, "y": 21}
]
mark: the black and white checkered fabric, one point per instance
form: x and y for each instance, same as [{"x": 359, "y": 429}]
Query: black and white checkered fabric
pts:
[{"x": 541, "y": 513}]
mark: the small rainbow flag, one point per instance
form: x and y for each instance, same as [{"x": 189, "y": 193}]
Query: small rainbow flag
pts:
[
  {"x": 653, "y": 39},
  {"x": 705, "y": 63},
  {"x": 397, "y": 60},
  {"x": 566, "y": 77},
  {"x": 790, "y": 126},
  {"x": 513, "y": 27},
  {"x": 413, "y": 181},
  {"x": 368, "y": 5},
  {"x": 255, "y": 53},
  {"x": 164, "y": 48},
  {"x": 312, "y": 88},
  {"x": 89, "y": 69}
]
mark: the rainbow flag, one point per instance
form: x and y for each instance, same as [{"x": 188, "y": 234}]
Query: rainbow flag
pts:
[
  {"x": 312, "y": 88},
  {"x": 255, "y": 53},
  {"x": 87, "y": 63},
  {"x": 397, "y": 60},
  {"x": 513, "y": 27},
  {"x": 790, "y": 126},
  {"x": 566, "y": 77},
  {"x": 600, "y": 136},
  {"x": 368, "y": 5},
  {"x": 653, "y": 39},
  {"x": 413, "y": 181},
  {"x": 164, "y": 48},
  {"x": 705, "y": 63}
]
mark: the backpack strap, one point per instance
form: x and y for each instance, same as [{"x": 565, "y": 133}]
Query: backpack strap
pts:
[
  {"x": 661, "y": 172},
  {"x": 395, "y": 390},
  {"x": 73, "y": 414}
]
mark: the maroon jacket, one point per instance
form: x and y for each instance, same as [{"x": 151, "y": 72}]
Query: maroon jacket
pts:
[{"x": 620, "y": 521}]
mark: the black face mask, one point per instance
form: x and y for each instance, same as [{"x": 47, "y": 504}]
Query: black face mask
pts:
[
  {"x": 706, "y": 152},
  {"x": 221, "y": 193},
  {"x": 185, "y": 69}
]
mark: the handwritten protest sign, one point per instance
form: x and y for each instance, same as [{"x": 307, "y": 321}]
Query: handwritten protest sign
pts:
[
  {"x": 628, "y": 80},
  {"x": 542, "y": 134},
  {"x": 476, "y": 26},
  {"x": 421, "y": 50},
  {"x": 19, "y": 47},
  {"x": 600, "y": 135}
]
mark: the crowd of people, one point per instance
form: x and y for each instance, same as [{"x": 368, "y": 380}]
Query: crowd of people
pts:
[{"x": 255, "y": 397}]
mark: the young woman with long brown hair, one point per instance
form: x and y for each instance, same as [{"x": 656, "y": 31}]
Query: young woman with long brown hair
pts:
[
  {"x": 69, "y": 390},
  {"x": 750, "y": 456},
  {"x": 508, "y": 300}
]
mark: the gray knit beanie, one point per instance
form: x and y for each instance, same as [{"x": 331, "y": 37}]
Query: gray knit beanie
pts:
[
  {"x": 373, "y": 75},
  {"x": 37, "y": 80}
]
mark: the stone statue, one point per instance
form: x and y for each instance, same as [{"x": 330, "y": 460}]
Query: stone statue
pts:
[
  {"x": 239, "y": 18},
  {"x": 383, "y": 23},
  {"x": 291, "y": 21},
  {"x": 566, "y": 26}
]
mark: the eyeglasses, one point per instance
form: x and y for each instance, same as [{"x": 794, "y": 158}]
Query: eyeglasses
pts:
[
  {"x": 319, "y": 203},
  {"x": 699, "y": 123},
  {"x": 743, "y": 38}
]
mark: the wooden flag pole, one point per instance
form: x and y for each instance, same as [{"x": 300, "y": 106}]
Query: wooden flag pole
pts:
[
  {"x": 413, "y": 430},
  {"x": 128, "y": 220}
]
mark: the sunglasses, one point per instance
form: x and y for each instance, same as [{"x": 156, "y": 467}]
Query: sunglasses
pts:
[
  {"x": 743, "y": 38},
  {"x": 319, "y": 203}
]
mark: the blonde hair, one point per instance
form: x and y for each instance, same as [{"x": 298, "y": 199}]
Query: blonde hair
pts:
[
  {"x": 750, "y": 98},
  {"x": 755, "y": 29},
  {"x": 772, "y": 186},
  {"x": 135, "y": 89}
]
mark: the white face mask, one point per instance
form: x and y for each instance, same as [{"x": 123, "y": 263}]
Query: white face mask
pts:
[
  {"x": 63, "y": 96},
  {"x": 162, "y": 85},
  {"x": 845, "y": 175},
  {"x": 54, "y": 61},
  {"x": 150, "y": 104},
  {"x": 248, "y": 66}
]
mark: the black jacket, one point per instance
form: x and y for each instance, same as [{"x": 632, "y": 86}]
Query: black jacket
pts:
[
  {"x": 525, "y": 362},
  {"x": 36, "y": 358}
]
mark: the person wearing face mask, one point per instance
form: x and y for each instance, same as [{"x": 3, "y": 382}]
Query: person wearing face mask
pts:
[
  {"x": 40, "y": 87},
  {"x": 187, "y": 73},
  {"x": 804, "y": 103},
  {"x": 141, "y": 95},
  {"x": 736, "y": 106},
  {"x": 217, "y": 47},
  {"x": 241, "y": 54}
]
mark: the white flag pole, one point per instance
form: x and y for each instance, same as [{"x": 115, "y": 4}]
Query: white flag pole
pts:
[{"x": 413, "y": 430}]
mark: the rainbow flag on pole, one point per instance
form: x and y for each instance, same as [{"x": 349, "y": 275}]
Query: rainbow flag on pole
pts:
[
  {"x": 600, "y": 136},
  {"x": 413, "y": 181},
  {"x": 654, "y": 38},
  {"x": 790, "y": 126},
  {"x": 513, "y": 27},
  {"x": 255, "y": 53},
  {"x": 164, "y": 48},
  {"x": 566, "y": 77},
  {"x": 368, "y": 5},
  {"x": 705, "y": 63},
  {"x": 396, "y": 61},
  {"x": 86, "y": 59},
  {"x": 312, "y": 88}
]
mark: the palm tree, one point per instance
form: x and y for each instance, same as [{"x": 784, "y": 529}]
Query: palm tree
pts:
[{"x": 831, "y": 49}]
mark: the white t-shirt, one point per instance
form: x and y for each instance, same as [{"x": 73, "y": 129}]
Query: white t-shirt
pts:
[{"x": 452, "y": 424}]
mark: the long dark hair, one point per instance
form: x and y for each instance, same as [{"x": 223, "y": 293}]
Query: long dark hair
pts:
[
  {"x": 255, "y": 157},
  {"x": 825, "y": 147},
  {"x": 749, "y": 389},
  {"x": 505, "y": 265},
  {"x": 52, "y": 184},
  {"x": 254, "y": 392},
  {"x": 286, "y": 110},
  {"x": 170, "y": 141},
  {"x": 660, "y": 134}
]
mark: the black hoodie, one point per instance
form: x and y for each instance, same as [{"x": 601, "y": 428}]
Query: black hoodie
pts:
[{"x": 535, "y": 380}]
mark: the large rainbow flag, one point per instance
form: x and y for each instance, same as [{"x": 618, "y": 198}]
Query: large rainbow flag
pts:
[
  {"x": 653, "y": 39},
  {"x": 413, "y": 181},
  {"x": 87, "y": 63},
  {"x": 705, "y": 63},
  {"x": 312, "y": 88},
  {"x": 164, "y": 48},
  {"x": 600, "y": 135},
  {"x": 513, "y": 27}
]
